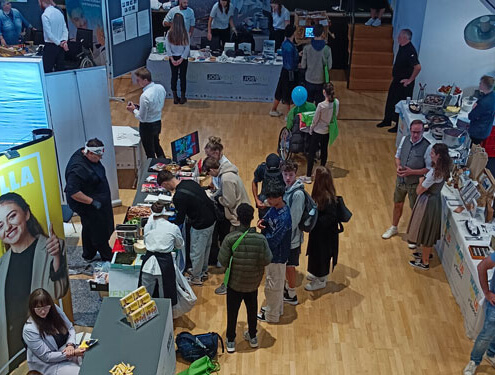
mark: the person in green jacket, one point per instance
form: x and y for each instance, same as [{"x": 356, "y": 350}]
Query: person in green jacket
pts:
[{"x": 248, "y": 264}]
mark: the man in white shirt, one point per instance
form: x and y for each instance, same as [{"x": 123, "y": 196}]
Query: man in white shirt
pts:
[
  {"x": 55, "y": 34},
  {"x": 187, "y": 13},
  {"x": 412, "y": 160},
  {"x": 149, "y": 113}
]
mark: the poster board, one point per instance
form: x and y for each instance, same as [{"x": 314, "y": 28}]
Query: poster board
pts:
[
  {"x": 129, "y": 35},
  {"x": 30, "y": 213}
]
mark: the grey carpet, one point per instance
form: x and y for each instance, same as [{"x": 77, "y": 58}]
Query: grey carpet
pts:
[
  {"x": 85, "y": 303},
  {"x": 77, "y": 265}
]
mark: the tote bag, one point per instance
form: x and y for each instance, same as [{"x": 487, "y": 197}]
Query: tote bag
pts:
[{"x": 333, "y": 129}]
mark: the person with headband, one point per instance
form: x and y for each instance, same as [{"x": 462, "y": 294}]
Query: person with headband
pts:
[{"x": 88, "y": 194}]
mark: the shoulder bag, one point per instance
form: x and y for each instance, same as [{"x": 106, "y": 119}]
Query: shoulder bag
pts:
[
  {"x": 234, "y": 247},
  {"x": 333, "y": 129}
]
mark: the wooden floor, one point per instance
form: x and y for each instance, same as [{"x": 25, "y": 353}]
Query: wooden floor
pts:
[{"x": 377, "y": 315}]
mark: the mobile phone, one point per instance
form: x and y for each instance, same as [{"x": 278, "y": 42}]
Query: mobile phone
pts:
[{"x": 91, "y": 342}]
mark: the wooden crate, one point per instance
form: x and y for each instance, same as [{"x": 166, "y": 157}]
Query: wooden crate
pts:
[{"x": 303, "y": 19}]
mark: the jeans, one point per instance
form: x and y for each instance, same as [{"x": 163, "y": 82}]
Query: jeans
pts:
[
  {"x": 150, "y": 137},
  {"x": 316, "y": 141},
  {"x": 234, "y": 300},
  {"x": 179, "y": 72},
  {"x": 486, "y": 339},
  {"x": 200, "y": 250}
]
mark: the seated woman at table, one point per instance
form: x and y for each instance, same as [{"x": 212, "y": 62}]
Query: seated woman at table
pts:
[
  {"x": 424, "y": 226},
  {"x": 161, "y": 237},
  {"x": 177, "y": 44},
  {"x": 50, "y": 338},
  {"x": 218, "y": 24}
]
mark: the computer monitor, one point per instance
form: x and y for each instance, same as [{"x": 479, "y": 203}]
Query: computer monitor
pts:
[
  {"x": 185, "y": 147},
  {"x": 309, "y": 32},
  {"x": 85, "y": 37}
]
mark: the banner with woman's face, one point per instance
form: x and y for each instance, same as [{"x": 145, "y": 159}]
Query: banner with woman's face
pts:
[{"x": 33, "y": 253}]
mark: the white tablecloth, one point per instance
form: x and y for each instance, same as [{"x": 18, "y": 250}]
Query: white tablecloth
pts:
[{"x": 460, "y": 268}]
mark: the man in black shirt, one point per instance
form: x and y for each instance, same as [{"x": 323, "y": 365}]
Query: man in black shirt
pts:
[
  {"x": 406, "y": 68},
  {"x": 88, "y": 194},
  {"x": 270, "y": 169},
  {"x": 191, "y": 200}
]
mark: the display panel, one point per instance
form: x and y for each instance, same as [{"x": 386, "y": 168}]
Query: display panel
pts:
[
  {"x": 309, "y": 32},
  {"x": 185, "y": 147}
]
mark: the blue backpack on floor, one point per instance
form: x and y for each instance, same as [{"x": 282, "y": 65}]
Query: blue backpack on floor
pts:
[{"x": 192, "y": 347}]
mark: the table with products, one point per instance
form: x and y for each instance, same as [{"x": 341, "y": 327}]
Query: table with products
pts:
[
  {"x": 459, "y": 267},
  {"x": 233, "y": 80},
  {"x": 150, "y": 348}
]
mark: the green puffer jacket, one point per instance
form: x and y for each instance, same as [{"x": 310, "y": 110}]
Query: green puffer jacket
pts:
[{"x": 249, "y": 261}]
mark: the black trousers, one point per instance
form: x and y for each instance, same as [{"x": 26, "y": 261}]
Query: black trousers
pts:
[
  {"x": 222, "y": 34},
  {"x": 234, "y": 300},
  {"x": 278, "y": 36},
  {"x": 315, "y": 92},
  {"x": 396, "y": 93},
  {"x": 222, "y": 228},
  {"x": 150, "y": 137},
  {"x": 53, "y": 58},
  {"x": 179, "y": 72},
  {"x": 317, "y": 141},
  {"x": 97, "y": 227},
  {"x": 476, "y": 141}
]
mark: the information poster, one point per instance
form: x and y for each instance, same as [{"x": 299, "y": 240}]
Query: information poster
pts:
[
  {"x": 143, "y": 22},
  {"x": 118, "y": 30},
  {"x": 31, "y": 227},
  {"x": 87, "y": 14},
  {"x": 129, "y": 6},
  {"x": 130, "y": 26}
]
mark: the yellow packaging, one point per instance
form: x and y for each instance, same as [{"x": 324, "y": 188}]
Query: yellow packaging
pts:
[
  {"x": 127, "y": 299},
  {"x": 150, "y": 310},
  {"x": 130, "y": 308},
  {"x": 143, "y": 300},
  {"x": 139, "y": 292},
  {"x": 138, "y": 318}
]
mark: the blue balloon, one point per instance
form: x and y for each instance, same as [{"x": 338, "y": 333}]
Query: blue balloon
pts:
[{"x": 299, "y": 95}]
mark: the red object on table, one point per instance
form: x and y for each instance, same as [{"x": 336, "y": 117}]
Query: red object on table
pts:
[
  {"x": 489, "y": 144},
  {"x": 117, "y": 247}
]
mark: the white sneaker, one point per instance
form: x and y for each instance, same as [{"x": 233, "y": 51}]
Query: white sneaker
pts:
[
  {"x": 470, "y": 369},
  {"x": 369, "y": 22},
  {"x": 490, "y": 360},
  {"x": 412, "y": 246},
  {"x": 306, "y": 179},
  {"x": 310, "y": 276},
  {"x": 377, "y": 22},
  {"x": 316, "y": 284},
  {"x": 275, "y": 113},
  {"x": 230, "y": 346},
  {"x": 390, "y": 232}
]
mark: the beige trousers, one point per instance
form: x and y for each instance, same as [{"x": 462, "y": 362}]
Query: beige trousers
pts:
[{"x": 274, "y": 291}]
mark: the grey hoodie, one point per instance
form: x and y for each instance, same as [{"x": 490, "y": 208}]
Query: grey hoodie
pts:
[
  {"x": 232, "y": 191},
  {"x": 296, "y": 205}
]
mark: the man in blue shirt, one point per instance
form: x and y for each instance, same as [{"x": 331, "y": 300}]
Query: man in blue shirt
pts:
[
  {"x": 276, "y": 225},
  {"x": 485, "y": 342},
  {"x": 11, "y": 24},
  {"x": 288, "y": 79},
  {"x": 483, "y": 112},
  {"x": 187, "y": 13}
]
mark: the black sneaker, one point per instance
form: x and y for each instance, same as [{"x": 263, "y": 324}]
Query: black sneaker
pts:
[
  {"x": 291, "y": 300},
  {"x": 418, "y": 255},
  {"x": 418, "y": 264},
  {"x": 261, "y": 316},
  {"x": 205, "y": 276},
  {"x": 393, "y": 130},
  {"x": 383, "y": 124}
]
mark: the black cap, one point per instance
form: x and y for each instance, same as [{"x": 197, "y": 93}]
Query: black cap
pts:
[{"x": 273, "y": 161}]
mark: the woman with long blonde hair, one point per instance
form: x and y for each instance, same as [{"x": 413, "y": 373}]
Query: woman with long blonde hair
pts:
[{"x": 177, "y": 44}]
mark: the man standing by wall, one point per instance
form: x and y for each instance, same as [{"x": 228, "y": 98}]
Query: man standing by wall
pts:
[
  {"x": 406, "y": 68},
  {"x": 149, "y": 113},
  {"x": 482, "y": 114},
  {"x": 412, "y": 160},
  {"x": 187, "y": 13},
  {"x": 55, "y": 34}
]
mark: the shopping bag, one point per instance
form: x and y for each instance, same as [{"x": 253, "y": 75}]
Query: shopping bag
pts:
[
  {"x": 202, "y": 366},
  {"x": 305, "y": 120},
  {"x": 186, "y": 298},
  {"x": 325, "y": 66},
  {"x": 333, "y": 129},
  {"x": 234, "y": 247}
]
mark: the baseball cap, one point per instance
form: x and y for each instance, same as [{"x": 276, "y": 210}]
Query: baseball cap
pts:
[{"x": 273, "y": 161}]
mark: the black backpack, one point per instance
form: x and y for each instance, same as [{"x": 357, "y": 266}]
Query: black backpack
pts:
[
  {"x": 310, "y": 212},
  {"x": 192, "y": 347}
]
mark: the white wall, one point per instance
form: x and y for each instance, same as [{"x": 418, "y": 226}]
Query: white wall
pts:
[{"x": 444, "y": 55}]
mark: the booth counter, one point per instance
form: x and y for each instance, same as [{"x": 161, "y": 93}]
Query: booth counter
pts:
[
  {"x": 231, "y": 81},
  {"x": 150, "y": 347}
]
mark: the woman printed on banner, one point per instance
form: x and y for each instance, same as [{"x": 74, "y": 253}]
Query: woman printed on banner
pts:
[{"x": 33, "y": 260}]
